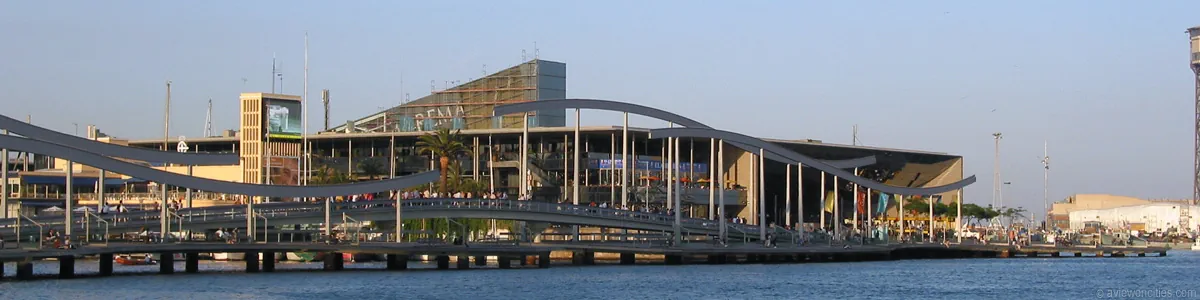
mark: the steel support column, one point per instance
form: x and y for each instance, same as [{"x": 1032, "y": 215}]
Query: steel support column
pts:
[
  {"x": 625, "y": 162},
  {"x": 787, "y": 192},
  {"x": 800, "y": 199},
  {"x": 712, "y": 188},
  {"x": 69, "y": 212},
  {"x": 575, "y": 177},
  {"x": 824, "y": 198},
  {"x": 721, "y": 185},
  {"x": 762, "y": 195},
  {"x": 4, "y": 181},
  {"x": 678, "y": 225}
]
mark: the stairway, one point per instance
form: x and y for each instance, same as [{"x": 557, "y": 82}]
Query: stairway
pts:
[
  {"x": 1185, "y": 217},
  {"x": 540, "y": 175}
]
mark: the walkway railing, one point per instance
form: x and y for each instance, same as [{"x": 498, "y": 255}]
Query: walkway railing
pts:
[
  {"x": 266, "y": 231},
  {"x": 285, "y": 210},
  {"x": 88, "y": 229},
  {"x": 41, "y": 231}
]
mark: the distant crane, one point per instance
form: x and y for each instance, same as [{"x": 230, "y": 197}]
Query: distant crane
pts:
[{"x": 208, "y": 120}]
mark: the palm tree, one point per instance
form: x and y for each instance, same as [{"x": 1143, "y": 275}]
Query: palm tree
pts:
[
  {"x": 443, "y": 144},
  {"x": 371, "y": 167},
  {"x": 328, "y": 175}
]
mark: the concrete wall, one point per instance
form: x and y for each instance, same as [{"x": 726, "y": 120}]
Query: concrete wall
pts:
[
  {"x": 1156, "y": 216},
  {"x": 1093, "y": 201},
  {"x": 223, "y": 173}
]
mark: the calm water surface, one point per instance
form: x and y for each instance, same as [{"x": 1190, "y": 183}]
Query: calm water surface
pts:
[{"x": 1174, "y": 276}]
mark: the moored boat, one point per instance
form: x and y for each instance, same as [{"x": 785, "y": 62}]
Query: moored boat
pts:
[
  {"x": 361, "y": 257},
  {"x": 130, "y": 260},
  {"x": 301, "y": 256},
  {"x": 229, "y": 256}
]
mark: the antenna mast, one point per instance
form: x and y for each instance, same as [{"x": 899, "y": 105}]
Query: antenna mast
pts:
[
  {"x": 854, "y": 139},
  {"x": 325, "y": 101},
  {"x": 208, "y": 120}
]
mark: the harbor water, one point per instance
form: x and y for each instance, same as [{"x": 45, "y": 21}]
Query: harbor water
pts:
[{"x": 1168, "y": 277}]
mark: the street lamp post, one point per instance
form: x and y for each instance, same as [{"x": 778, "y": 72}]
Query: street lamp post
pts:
[
  {"x": 996, "y": 172},
  {"x": 1002, "y": 197},
  {"x": 1045, "y": 185}
]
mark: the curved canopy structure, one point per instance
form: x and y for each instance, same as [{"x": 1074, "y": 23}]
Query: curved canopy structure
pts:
[
  {"x": 610, "y": 105},
  {"x": 110, "y": 164},
  {"x": 111, "y": 150},
  {"x": 807, "y": 161}
]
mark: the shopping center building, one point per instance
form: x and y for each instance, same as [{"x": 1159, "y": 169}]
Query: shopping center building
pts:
[{"x": 384, "y": 144}]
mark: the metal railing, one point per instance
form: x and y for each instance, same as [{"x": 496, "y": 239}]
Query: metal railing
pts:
[
  {"x": 357, "y": 227},
  {"x": 266, "y": 231},
  {"x": 179, "y": 223},
  {"x": 38, "y": 238},
  {"x": 88, "y": 228},
  {"x": 307, "y": 209}
]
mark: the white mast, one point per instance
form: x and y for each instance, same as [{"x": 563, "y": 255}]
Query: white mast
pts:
[
  {"x": 304, "y": 167},
  {"x": 208, "y": 120}
]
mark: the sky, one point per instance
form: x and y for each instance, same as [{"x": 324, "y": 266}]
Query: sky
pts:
[{"x": 1106, "y": 84}]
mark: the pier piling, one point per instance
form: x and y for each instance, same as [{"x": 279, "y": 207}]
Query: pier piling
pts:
[
  {"x": 464, "y": 262},
  {"x": 25, "y": 270},
  {"x": 628, "y": 258},
  {"x": 674, "y": 259},
  {"x": 191, "y": 262},
  {"x": 268, "y": 261},
  {"x": 166, "y": 263},
  {"x": 443, "y": 262},
  {"x": 333, "y": 261},
  {"x": 544, "y": 260},
  {"x": 252, "y": 262},
  {"x": 66, "y": 267},
  {"x": 106, "y": 264},
  {"x": 396, "y": 262}
]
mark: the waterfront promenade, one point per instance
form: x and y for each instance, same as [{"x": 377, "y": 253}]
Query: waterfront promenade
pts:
[{"x": 538, "y": 255}]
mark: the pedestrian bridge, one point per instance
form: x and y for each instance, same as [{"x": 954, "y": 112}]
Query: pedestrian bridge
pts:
[{"x": 291, "y": 213}]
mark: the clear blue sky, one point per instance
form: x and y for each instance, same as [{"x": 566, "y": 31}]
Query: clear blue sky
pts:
[{"x": 1105, "y": 82}]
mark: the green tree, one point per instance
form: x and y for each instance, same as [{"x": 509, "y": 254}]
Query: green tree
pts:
[
  {"x": 371, "y": 167},
  {"x": 327, "y": 175},
  {"x": 1012, "y": 213},
  {"x": 972, "y": 212},
  {"x": 443, "y": 144},
  {"x": 945, "y": 210},
  {"x": 917, "y": 205}
]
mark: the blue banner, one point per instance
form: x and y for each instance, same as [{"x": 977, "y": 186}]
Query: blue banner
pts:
[
  {"x": 650, "y": 165},
  {"x": 883, "y": 203}
]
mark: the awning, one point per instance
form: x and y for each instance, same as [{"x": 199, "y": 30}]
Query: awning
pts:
[{"x": 62, "y": 180}]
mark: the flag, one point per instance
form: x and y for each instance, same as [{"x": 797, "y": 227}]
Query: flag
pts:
[
  {"x": 829, "y": 202},
  {"x": 883, "y": 203},
  {"x": 860, "y": 202}
]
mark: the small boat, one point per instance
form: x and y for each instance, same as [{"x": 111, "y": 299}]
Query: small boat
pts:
[
  {"x": 129, "y": 260},
  {"x": 361, "y": 257},
  {"x": 302, "y": 256},
  {"x": 229, "y": 256}
]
